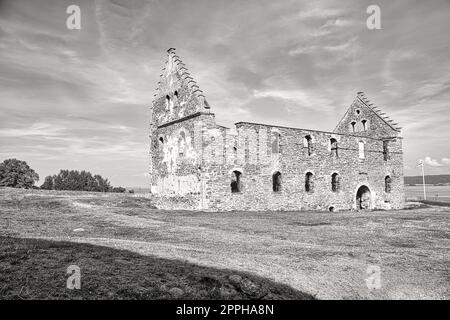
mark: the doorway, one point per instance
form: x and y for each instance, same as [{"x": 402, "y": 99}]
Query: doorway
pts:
[{"x": 363, "y": 198}]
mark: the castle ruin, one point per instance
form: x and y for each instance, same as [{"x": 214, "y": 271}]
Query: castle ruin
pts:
[{"x": 196, "y": 164}]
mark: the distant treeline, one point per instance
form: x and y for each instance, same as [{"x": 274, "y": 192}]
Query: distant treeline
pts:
[
  {"x": 432, "y": 179},
  {"x": 79, "y": 181},
  {"x": 18, "y": 174}
]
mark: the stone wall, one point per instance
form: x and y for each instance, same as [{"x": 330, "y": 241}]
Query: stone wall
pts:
[
  {"x": 364, "y": 119},
  {"x": 176, "y": 157},
  {"x": 196, "y": 164},
  {"x": 256, "y": 160}
]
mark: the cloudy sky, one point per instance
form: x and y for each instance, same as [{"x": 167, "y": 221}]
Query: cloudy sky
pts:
[{"x": 79, "y": 99}]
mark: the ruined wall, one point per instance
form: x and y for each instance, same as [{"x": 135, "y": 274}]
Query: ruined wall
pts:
[
  {"x": 196, "y": 164},
  {"x": 176, "y": 148},
  {"x": 193, "y": 167},
  {"x": 176, "y": 156},
  {"x": 258, "y": 159}
]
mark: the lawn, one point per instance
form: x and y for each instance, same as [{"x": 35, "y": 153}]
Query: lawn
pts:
[{"x": 126, "y": 249}]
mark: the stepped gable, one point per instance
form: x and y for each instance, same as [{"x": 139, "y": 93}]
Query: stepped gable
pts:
[
  {"x": 174, "y": 67},
  {"x": 382, "y": 115},
  {"x": 178, "y": 95}
]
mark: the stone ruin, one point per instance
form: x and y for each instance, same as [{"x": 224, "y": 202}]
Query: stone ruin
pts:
[{"x": 196, "y": 164}]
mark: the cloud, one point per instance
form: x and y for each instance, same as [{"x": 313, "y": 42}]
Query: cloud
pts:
[
  {"x": 346, "y": 48},
  {"x": 36, "y": 129},
  {"x": 301, "y": 98},
  {"x": 432, "y": 162},
  {"x": 81, "y": 97},
  {"x": 245, "y": 76},
  {"x": 435, "y": 163},
  {"x": 321, "y": 13}
]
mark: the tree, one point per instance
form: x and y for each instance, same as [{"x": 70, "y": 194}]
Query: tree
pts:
[
  {"x": 48, "y": 183},
  {"x": 118, "y": 189},
  {"x": 17, "y": 174},
  {"x": 103, "y": 184},
  {"x": 75, "y": 180},
  {"x": 78, "y": 181}
]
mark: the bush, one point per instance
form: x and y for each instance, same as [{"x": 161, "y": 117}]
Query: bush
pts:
[
  {"x": 17, "y": 174},
  {"x": 118, "y": 190},
  {"x": 78, "y": 181}
]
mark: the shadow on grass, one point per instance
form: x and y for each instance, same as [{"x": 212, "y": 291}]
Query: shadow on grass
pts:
[{"x": 37, "y": 269}]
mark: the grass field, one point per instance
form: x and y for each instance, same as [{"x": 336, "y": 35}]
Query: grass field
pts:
[{"x": 126, "y": 249}]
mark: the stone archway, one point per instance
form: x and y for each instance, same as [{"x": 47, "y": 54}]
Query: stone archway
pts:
[{"x": 363, "y": 198}]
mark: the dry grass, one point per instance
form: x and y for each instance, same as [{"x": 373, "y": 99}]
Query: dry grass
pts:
[
  {"x": 36, "y": 269},
  {"x": 323, "y": 254}
]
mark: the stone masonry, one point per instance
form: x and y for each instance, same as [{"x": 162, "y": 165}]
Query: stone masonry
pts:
[{"x": 196, "y": 164}]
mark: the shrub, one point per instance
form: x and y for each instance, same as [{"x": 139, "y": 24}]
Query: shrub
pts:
[{"x": 118, "y": 189}]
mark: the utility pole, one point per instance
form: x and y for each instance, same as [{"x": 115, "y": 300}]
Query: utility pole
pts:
[{"x": 423, "y": 179}]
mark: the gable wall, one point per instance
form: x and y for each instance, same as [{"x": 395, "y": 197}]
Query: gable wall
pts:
[{"x": 375, "y": 126}]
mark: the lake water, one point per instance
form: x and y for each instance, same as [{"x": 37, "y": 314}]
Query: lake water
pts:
[{"x": 435, "y": 193}]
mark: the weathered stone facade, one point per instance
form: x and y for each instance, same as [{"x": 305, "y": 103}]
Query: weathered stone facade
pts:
[{"x": 196, "y": 164}]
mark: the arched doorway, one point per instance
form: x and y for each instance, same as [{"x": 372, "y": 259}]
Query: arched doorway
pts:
[{"x": 363, "y": 198}]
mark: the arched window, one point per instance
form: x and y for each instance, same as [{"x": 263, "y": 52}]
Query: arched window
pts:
[
  {"x": 182, "y": 144},
  {"x": 275, "y": 142},
  {"x": 308, "y": 144},
  {"x": 175, "y": 97},
  {"x": 309, "y": 182},
  {"x": 167, "y": 103},
  {"x": 364, "y": 124},
  {"x": 276, "y": 181},
  {"x": 353, "y": 123},
  {"x": 362, "y": 154},
  {"x": 387, "y": 184},
  {"x": 386, "y": 150},
  {"x": 236, "y": 184},
  {"x": 334, "y": 147},
  {"x": 335, "y": 182},
  {"x": 160, "y": 144}
]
